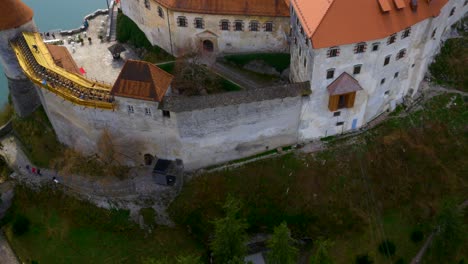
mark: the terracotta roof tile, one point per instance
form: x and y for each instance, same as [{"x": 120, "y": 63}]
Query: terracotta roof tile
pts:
[
  {"x": 235, "y": 7},
  {"x": 14, "y": 13},
  {"x": 63, "y": 58},
  {"x": 343, "y": 85},
  {"x": 142, "y": 80},
  {"x": 338, "y": 22}
]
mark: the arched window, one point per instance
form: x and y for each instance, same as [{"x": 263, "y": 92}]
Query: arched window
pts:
[{"x": 160, "y": 12}]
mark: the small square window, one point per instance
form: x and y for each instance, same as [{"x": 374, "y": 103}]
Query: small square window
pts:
[
  {"x": 337, "y": 113},
  {"x": 182, "y": 21},
  {"x": 166, "y": 113},
  {"x": 238, "y": 26},
  {"x": 387, "y": 93},
  {"x": 401, "y": 54},
  {"x": 375, "y": 46},
  {"x": 130, "y": 109},
  {"x": 396, "y": 75},
  {"x": 330, "y": 73},
  {"x": 199, "y": 23},
  {"x": 412, "y": 65},
  {"x": 433, "y": 33},
  {"x": 224, "y": 25},
  {"x": 357, "y": 69},
  {"x": 382, "y": 81},
  {"x": 387, "y": 60},
  {"x": 360, "y": 48},
  {"x": 147, "y": 4},
  {"x": 269, "y": 26},
  {"x": 333, "y": 52},
  {"x": 147, "y": 111},
  {"x": 339, "y": 123},
  {"x": 253, "y": 25},
  {"x": 406, "y": 33}
]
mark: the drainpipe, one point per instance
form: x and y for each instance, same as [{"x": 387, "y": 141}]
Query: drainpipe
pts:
[{"x": 170, "y": 31}]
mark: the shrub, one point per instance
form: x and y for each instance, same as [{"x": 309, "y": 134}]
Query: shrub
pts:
[
  {"x": 387, "y": 248},
  {"x": 20, "y": 225},
  {"x": 417, "y": 236},
  {"x": 400, "y": 261},
  {"x": 364, "y": 259}
]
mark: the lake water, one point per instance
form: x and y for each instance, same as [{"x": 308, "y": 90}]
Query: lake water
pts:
[{"x": 55, "y": 14}]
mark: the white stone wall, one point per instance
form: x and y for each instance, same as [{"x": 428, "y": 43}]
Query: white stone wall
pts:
[
  {"x": 164, "y": 31},
  {"x": 217, "y": 135},
  {"x": 318, "y": 121}
]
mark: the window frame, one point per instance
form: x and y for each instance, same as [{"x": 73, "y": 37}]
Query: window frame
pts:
[
  {"x": 182, "y": 21},
  {"x": 330, "y": 73},
  {"x": 333, "y": 52},
  {"x": 387, "y": 60},
  {"x": 225, "y": 25},
  {"x": 166, "y": 114},
  {"x": 401, "y": 54},
  {"x": 360, "y": 47},
  {"x": 406, "y": 33},
  {"x": 160, "y": 12},
  {"x": 391, "y": 39},
  {"x": 269, "y": 26},
  {"x": 358, "y": 68},
  {"x": 238, "y": 23},
  {"x": 199, "y": 23},
  {"x": 375, "y": 46},
  {"x": 254, "y": 26}
]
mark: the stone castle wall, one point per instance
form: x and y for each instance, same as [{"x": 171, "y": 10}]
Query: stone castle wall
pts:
[{"x": 22, "y": 91}]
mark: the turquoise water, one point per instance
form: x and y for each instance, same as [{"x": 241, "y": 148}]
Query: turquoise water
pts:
[{"x": 55, "y": 14}]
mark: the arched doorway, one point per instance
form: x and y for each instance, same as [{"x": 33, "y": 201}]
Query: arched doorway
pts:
[
  {"x": 148, "y": 159},
  {"x": 208, "y": 45}
]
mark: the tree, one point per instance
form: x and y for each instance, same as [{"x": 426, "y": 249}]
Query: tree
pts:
[
  {"x": 281, "y": 246},
  {"x": 321, "y": 255},
  {"x": 230, "y": 236},
  {"x": 450, "y": 232}
]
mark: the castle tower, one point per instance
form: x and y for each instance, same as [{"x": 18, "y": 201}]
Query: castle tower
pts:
[{"x": 15, "y": 18}]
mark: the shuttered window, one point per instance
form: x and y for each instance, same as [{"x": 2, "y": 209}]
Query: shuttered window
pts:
[
  {"x": 182, "y": 21},
  {"x": 199, "y": 23},
  {"x": 341, "y": 101},
  {"x": 224, "y": 25},
  {"x": 253, "y": 25},
  {"x": 360, "y": 47},
  {"x": 333, "y": 52}
]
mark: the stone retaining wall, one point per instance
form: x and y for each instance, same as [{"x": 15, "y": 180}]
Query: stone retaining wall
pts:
[
  {"x": 82, "y": 28},
  {"x": 6, "y": 129}
]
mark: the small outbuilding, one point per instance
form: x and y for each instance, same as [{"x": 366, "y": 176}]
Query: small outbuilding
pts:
[
  {"x": 116, "y": 49},
  {"x": 166, "y": 172}
]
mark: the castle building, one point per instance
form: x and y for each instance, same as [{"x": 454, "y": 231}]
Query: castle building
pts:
[
  {"x": 350, "y": 62},
  {"x": 16, "y": 18}
]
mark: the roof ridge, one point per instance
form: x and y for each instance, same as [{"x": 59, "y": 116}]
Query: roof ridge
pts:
[{"x": 323, "y": 17}]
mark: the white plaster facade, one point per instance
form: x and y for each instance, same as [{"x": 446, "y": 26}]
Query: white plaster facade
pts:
[
  {"x": 402, "y": 76},
  {"x": 165, "y": 32}
]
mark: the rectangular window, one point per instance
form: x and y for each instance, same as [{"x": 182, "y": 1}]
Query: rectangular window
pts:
[
  {"x": 253, "y": 25},
  {"x": 406, "y": 33},
  {"x": 375, "y": 47},
  {"x": 160, "y": 12},
  {"x": 382, "y": 81},
  {"x": 396, "y": 75},
  {"x": 339, "y": 123},
  {"x": 130, "y": 109},
  {"x": 391, "y": 39},
  {"x": 387, "y": 93},
  {"x": 182, "y": 21},
  {"x": 341, "y": 101},
  {"x": 269, "y": 26},
  {"x": 337, "y": 113},
  {"x": 401, "y": 54},
  {"x": 333, "y": 52},
  {"x": 330, "y": 73},
  {"x": 360, "y": 47},
  {"x": 238, "y": 25},
  {"x": 452, "y": 11},
  {"x": 147, "y": 4},
  {"x": 433, "y": 33},
  {"x": 166, "y": 113},
  {"x": 224, "y": 25},
  {"x": 357, "y": 69},
  {"x": 387, "y": 60},
  {"x": 199, "y": 23},
  {"x": 147, "y": 111}
]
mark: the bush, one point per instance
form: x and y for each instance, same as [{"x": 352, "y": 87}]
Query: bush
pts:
[
  {"x": 387, "y": 248},
  {"x": 417, "y": 236},
  {"x": 21, "y": 225},
  {"x": 364, "y": 259},
  {"x": 400, "y": 261}
]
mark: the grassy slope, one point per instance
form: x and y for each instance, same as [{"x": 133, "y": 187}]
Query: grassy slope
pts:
[
  {"x": 38, "y": 138},
  {"x": 65, "y": 230},
  {"x": 357, "y": 193}
]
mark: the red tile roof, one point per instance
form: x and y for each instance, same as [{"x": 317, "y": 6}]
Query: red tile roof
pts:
[
  {"x": 63, "y": 58},
  {"x": 228, "y": 7},
  {"x": 14, "y": 13},
  {"x": 338, "y": 22},
  {"x": 142, "y": 80}
]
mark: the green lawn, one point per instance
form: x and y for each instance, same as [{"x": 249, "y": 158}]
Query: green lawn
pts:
[
  {"x": 65, "y": 230},
  {"x": 214, "y": 82},
  {"x": 279, "y": 61},
  {"x": 380, "y": 186}
]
